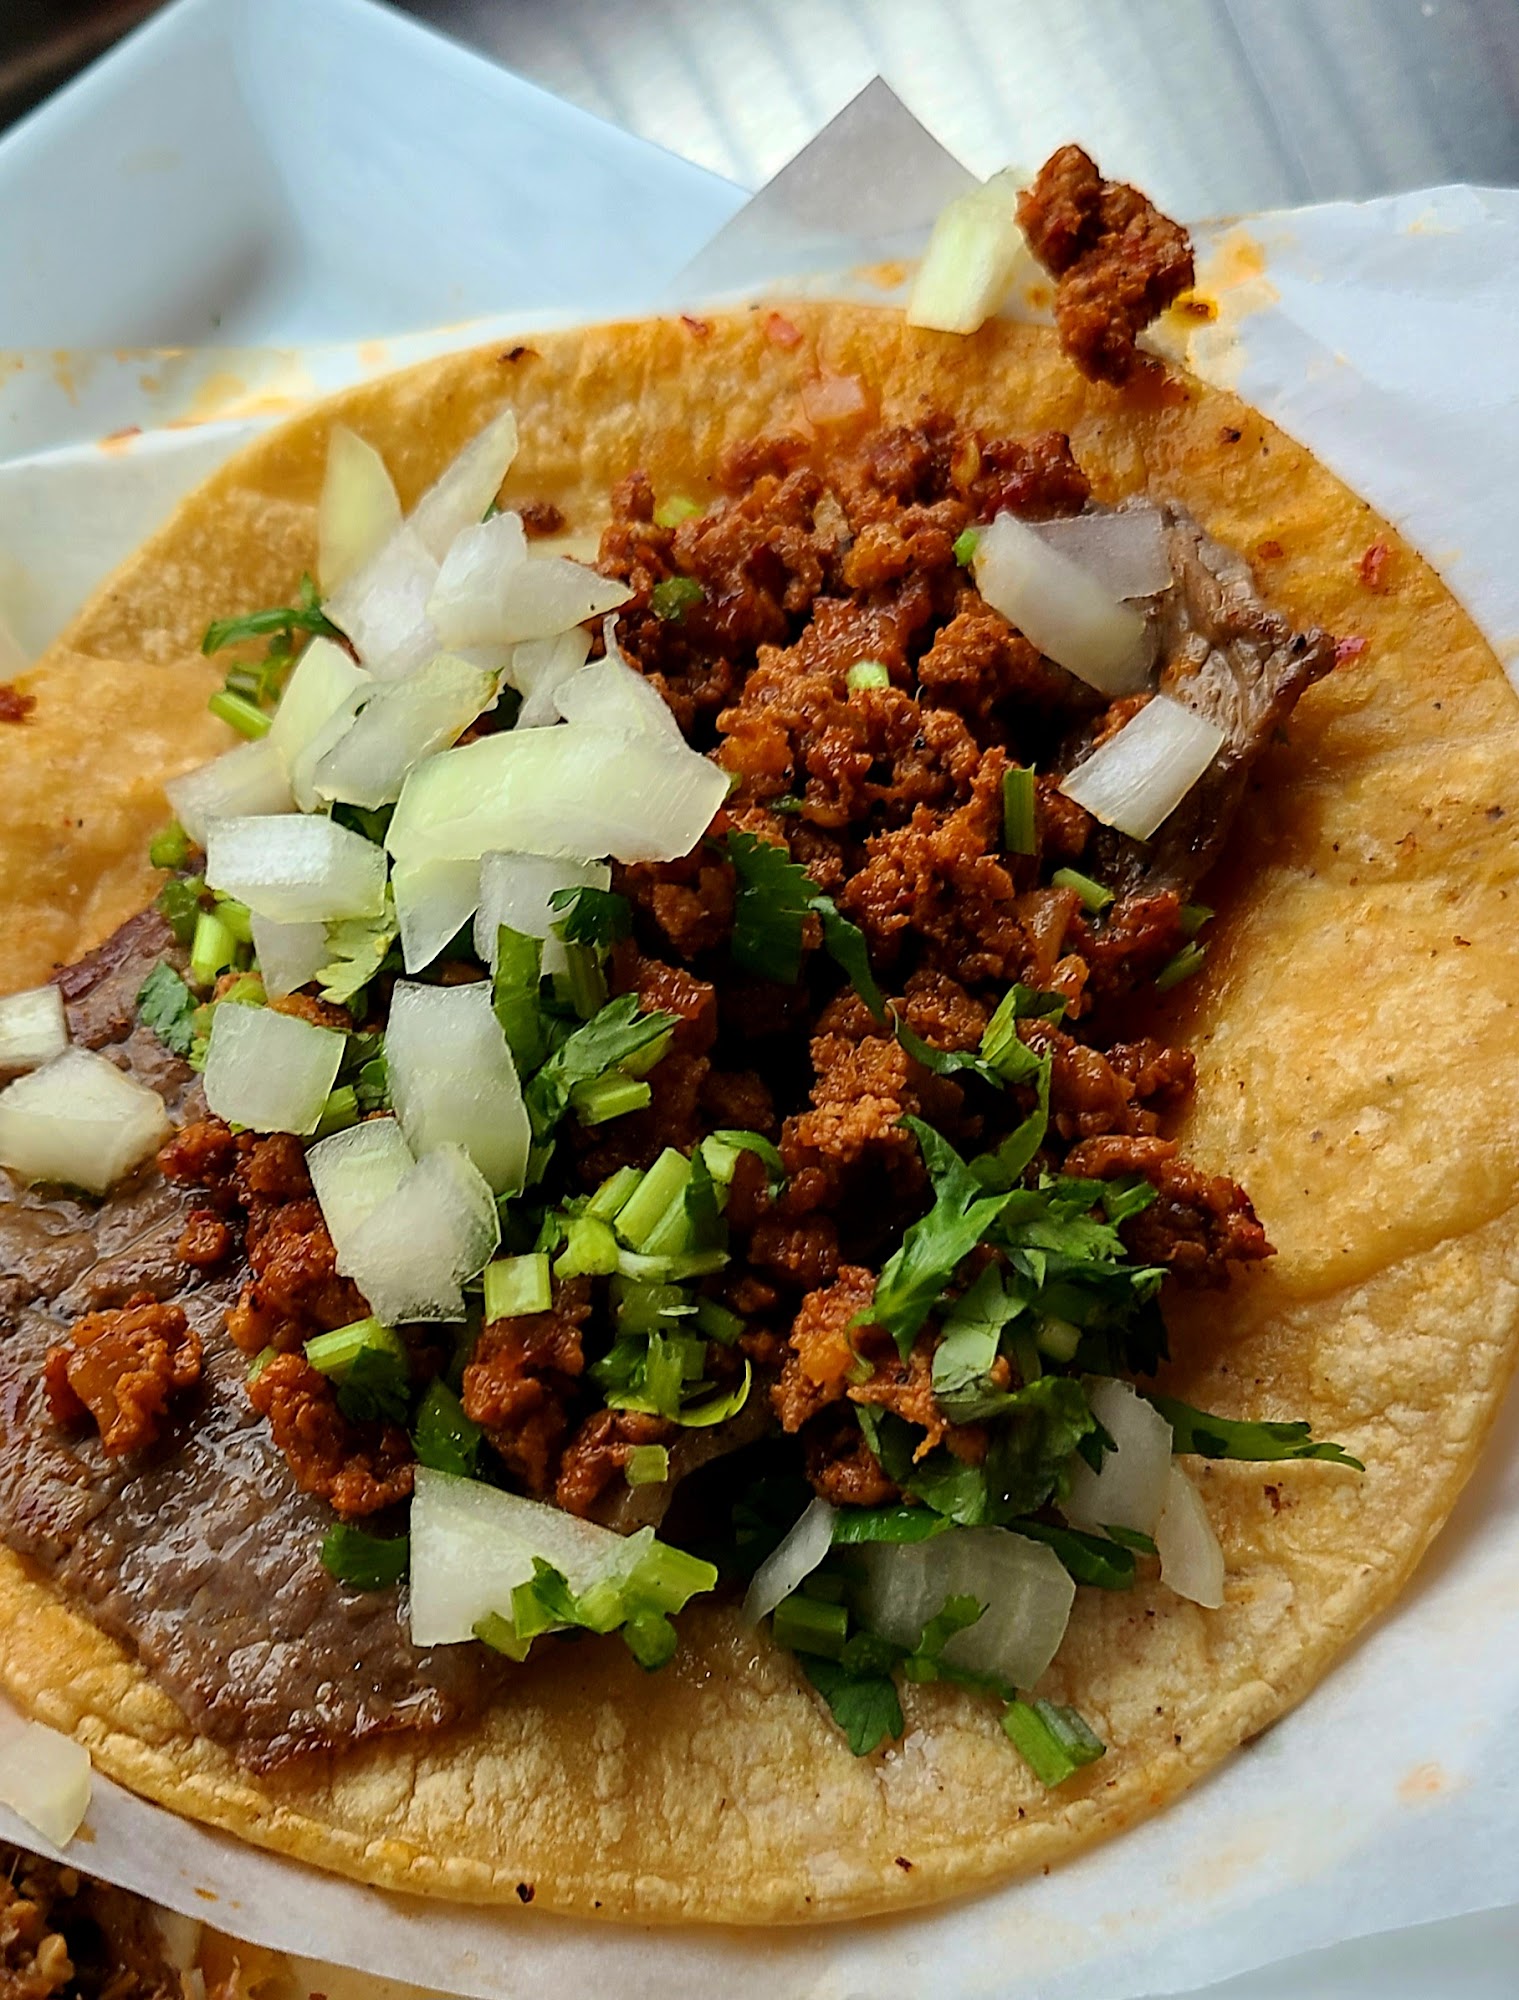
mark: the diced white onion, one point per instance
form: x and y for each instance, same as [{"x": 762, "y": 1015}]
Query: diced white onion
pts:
[
  {"x": 79, "y": 1120},
  {"x": 323, "y": 685},
  {"x": 472, "y": 1544},
  {"x": 1025, "y": 1587},
  {"x": 300, "y": 870},
  {"x": 612, "y": 695},
  {"x": 573, "y": 791},
  {"x": 45, "y": 1778},
  {"x": 515, "y": 891},
  {"x": 434, "y": 901},
  {"x": 401, "y": 723},
  {"x": 1191, "y": 1561},
  {"x": 457, "y": 499},
  {"x": 453, "y": 1081},
  {"x": 353, "y": 1172},
  {"x": 1141, "y": 774},
  {"x": 1125, "y": 551},
  {"x": 413, "y": 1253},
  {"x": 250, "y": 779},
  {"x": 358, "y": 511},
  {"x": 796, "y": 1558},
  {"x": 490, "y": 591},
  {"x": 972, "y": 255},
  {"x": 1061, "y": 607},
  {"x": 33, "y": 1028},
  {"x": 383, "y": 607},
  {"x": 1130, "y": 1490},
  {"x": 271, "y": 1072},
  {"x": 288, "y": 954},
  {"x": 181, "y": 1940},
  {"x": 538, "y": 667}
]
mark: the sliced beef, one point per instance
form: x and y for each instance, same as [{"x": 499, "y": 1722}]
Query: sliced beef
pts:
[{"x": 198, "y": 1553}]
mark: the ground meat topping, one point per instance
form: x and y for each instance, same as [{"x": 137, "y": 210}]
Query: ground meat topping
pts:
[
  {"x": 119, "y": 1369},
  {"x": 357, "y": 1468},
  {"x": 519, "y": 1382},
  {"x": 599, "y": 1453},
  {"x": 1117, "y": 261}
]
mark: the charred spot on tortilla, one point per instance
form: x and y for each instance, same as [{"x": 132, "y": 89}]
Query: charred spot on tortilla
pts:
[{"x": 828, "y": 1145}]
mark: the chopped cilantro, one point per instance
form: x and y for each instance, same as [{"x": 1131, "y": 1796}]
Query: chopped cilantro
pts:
[
  {"x": 444, "y": 1437},
  {"x": 359, "y": 947},
  {"x": 775, "y": 897},
  {"x": 616, "y": 1035},
  {"x": 179, "y": 905},
  {"x": 886, "y": 1524},
  {"x": 591, "y": 916},
  {"x": 1089, "y": 1558},
  {"x": 364, "y": 1561},
  {"x": 167, "y": 1006},
  {"x": 514, "y": 996},
  {"x": 965, "y": 546},
  {"x": 305, "y": 615},
  {"x": 943, "y": 1062},
  {"x": 1229, "y": 1437},
  {"x": 862, "y": 1700},
  {"x": 376, "y": 1389},
  {"x": 933, "y": 1247},
  {"x": 1187, "y": 961}
]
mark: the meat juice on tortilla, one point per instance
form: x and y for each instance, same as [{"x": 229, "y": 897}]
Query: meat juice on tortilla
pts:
[{"x": 904, "y": 973}]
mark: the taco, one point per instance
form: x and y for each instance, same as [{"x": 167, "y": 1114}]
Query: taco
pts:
[{"x": 744, "y": 1091}]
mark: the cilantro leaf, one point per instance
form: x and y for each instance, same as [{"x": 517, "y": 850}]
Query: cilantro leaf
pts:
[
  {"x": 972, "y": 1335},
  {"x": 844, "y": 943},
  {"x": 591, "y": 916},
  {"x": 1228, "y": 1437},
  {"x": 376, "y": 1388},
  {"x": 957, "y": 1614},
  {"x": 854, "y": 1525},
  {"x": 166, "y": 1005},
  {"x": 305, "y": 615},
  {"x": 179, "y": 905},
  {"x": 933, "y": 1247},
  {"x": 1033, "y": 1436},
  {"x": 1089, "y": 1558},
  {"x": 863, "y": 1703},
  {"x": 364, "y": 1561},
  {"x": 774, "y": 896},
  {"x": 943, "y": 1062},
  {"x": 618, "y": 1032},
  {"x": 444, "y": 1438},
  {"x": 514, "y": 997},
  {"x": 359, "y": 947}
]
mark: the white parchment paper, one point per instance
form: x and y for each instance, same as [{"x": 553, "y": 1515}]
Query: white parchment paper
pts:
[{"x": 1381, "y": 335}]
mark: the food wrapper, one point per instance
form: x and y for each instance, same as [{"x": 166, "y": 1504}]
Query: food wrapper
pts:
[{"x": 1381, "y": 335}]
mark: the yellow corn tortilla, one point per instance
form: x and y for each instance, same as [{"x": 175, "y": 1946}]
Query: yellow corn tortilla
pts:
[{"x": 1354, "y": 1031}]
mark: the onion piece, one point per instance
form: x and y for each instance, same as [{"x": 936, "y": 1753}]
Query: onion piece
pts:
[
  {"x": 271, "y": 1072},
  {"x": 45, "y": 1777},
  {"x": 358, "y": 511},
  {"x": 288, "y": 954},
  {"x": 79, "y": 1120},
  {"x": 1125, "y": 551},
  {"x": 572, "y": 791},
  {"x": 461, "y": 494},
  {"x": 1024, "y": 1586},
  {"x": 1141, "y": 774},
  {"x": 515, "y": 891},
  {"x": 248, "y": 780},
  {"x": 383, "y": 607},
  {"x": 453, "y": 1081},
  {"x": 796, "y": 1558},
  {"x": 321, "y": 687},
  {"x": 540, "y": 666},
  {"x": 1061, "y": 607},
  {"x": 412, "y": 1254},
  {"x": 1130, "y": 1490},
  {"x": 1191, "y": 1561},
  {"x": 434, "y": 901},
  {"x": 302, "y": 870},
  {"x": 612, "y": 695},
  {"x": 353, "y": 1172},
  {"x": 33, "y": 1028},
  {"x": 490, "y": 591},
  {"x": 973, "y": 253},
  {"x": 401, "y": 723},
  {"x": 472, "y": 1544}
]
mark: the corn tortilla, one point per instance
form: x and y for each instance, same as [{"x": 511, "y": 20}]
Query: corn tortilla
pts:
[{"x": 1357, "y": 1021}]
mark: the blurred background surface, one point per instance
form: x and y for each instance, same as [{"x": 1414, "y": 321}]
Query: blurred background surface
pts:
[{"x": 1221, "y": 105}]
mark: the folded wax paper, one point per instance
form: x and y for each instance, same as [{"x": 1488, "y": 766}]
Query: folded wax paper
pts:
[{"x": 1380, "y": 334}]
